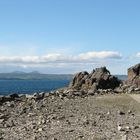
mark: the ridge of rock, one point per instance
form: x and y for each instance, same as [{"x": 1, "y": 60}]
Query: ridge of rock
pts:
[{"x": 100, "y": 78}]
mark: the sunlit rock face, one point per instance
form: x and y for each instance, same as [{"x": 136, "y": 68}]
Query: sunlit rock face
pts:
[
  {"x": 134, "y": 72},
  {"x": 134, "y": 75}
]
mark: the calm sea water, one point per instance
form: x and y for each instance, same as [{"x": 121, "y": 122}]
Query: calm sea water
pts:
[{"x": 30, "y": 86}]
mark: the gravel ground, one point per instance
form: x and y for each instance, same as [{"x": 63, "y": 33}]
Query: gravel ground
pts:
[{"x": 105, "y": 117}]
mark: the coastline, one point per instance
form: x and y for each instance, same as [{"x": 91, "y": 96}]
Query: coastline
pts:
[{"x": 95, "y": 106}]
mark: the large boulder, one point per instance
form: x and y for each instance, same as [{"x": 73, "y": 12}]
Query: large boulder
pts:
[
  {"x": 134, "y": 75},
  {"x": 134, "y": 72},
  {"x": 100, "y": 78}
]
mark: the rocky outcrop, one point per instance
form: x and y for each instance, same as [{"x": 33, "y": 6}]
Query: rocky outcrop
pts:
[
  {"x": 100, "y": 78},
  {"x": 134, "y": 75},
  {"x": 132, "y": 84},
  {"x": 134, "y": 72}
]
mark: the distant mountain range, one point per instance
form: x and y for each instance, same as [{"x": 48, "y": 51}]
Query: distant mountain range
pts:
[{"x": 35, "y": 75}]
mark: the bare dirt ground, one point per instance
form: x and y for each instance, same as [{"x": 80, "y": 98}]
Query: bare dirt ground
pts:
[
  {"x": 135, "y": 97},
  {"x": 105, "y": 117}
]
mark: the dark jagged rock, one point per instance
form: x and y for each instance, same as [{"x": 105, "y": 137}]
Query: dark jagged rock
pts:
[
  {"x": 99, "y": 78},
  {"x": 134, "y": 76},
  {"x": 13, "y": 96},
  {"x": 132, "y": 84},
  {"x": 38, "y": 96}
]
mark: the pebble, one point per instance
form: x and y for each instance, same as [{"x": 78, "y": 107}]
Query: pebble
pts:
[
  {"x": 54, "y": 138},
  {"x": 120, "y": 128},
  {"x": 1, "y": 120},
  {"x": 40, "y": 129},
  {"x": 124, "y": 137},
  {"x": 121, "y": 112},
  {"x": 129, "y": 112}
]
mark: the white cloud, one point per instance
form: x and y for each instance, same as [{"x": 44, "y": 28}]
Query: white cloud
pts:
[
  {"x": 101, "y": 55},
  {"x": 60, "y": 63},
  {"x": 89, "y": 57},
  {"x": 138, "y": 54}
]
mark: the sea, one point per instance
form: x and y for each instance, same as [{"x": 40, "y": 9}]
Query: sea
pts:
[{"x": 30, "y": 86}]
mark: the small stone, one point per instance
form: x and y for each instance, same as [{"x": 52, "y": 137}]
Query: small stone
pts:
[
  {"x": 108, "y": 113},
  {"x": 48, "y": 121},
  {"x": 127, "y": 128},
  {"x": 34, "y": 138},
  {"x": 54, "y": 138},
  {"x": 86, "y": 122},
  {"x": 53, "y": 97},
  {"x": 61, "y": 96},
  {"x": 43, "y": 121},
  {"x": 40, "y": 129},
  {"x": 1, "y": 121},
  {"x": 10, "y": 104},
  {"x": 91, "y": 92},
  {"x": 129, "y": 112},
  {"x": 9, "y": 123},
  {"x": 71, "y": 130},
  {"x": 124, "y": 137},
  {"x": 121, "y": 112},
  {"x": 136, "y": 127},
  {"x": 2, "y": 116},
  {"x": 14, "y": 95},
  {"x": 33, "y": 126},
  {"x": 68, "y": 122},
  {"x": 80, "y": 137},
  {"x": 137, "y": 89},
  {"x": 120, "y": 128}
]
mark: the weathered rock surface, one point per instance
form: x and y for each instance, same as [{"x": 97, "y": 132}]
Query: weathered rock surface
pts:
[
  {"x": 99, "y": 78},
  {"x": 134, "y": 72},
  {"x": 132, "y": 84},
  {"x": 134, "y": 75}
]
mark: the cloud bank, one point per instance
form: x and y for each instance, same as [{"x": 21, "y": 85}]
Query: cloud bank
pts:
[{"x": 60, "y": 58}]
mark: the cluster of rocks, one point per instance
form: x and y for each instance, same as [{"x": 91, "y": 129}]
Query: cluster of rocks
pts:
[
  {"x": 100, "y": 78},
  {"x": 100, "y": 81}
]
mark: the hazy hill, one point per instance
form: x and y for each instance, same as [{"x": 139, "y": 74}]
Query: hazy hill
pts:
[{"x": 35, "y": 75}]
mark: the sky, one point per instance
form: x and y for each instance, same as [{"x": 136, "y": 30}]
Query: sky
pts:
[{"x": 68, "y": 36}]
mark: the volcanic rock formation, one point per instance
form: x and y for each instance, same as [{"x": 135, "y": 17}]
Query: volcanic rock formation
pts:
[
  {"x": 134, "y": 75},
  {"x": 100, "y": 78}
]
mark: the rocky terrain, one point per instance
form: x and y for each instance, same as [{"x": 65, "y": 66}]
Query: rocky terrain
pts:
[
  {"x": 56, "y": 117},
  {"x": 95, "y": 106}
]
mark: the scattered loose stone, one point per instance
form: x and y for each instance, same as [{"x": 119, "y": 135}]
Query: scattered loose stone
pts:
[{"x": 121, "y": 112}]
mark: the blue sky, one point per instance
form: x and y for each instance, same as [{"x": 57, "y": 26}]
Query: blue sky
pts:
[{"x": 67, "y": 36}]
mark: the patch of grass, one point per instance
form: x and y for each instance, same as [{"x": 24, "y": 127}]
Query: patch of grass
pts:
[{"x": 123, "y": 102}]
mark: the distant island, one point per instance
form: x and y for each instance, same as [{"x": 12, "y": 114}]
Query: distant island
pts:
[{"x": 35, "y": 75}]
